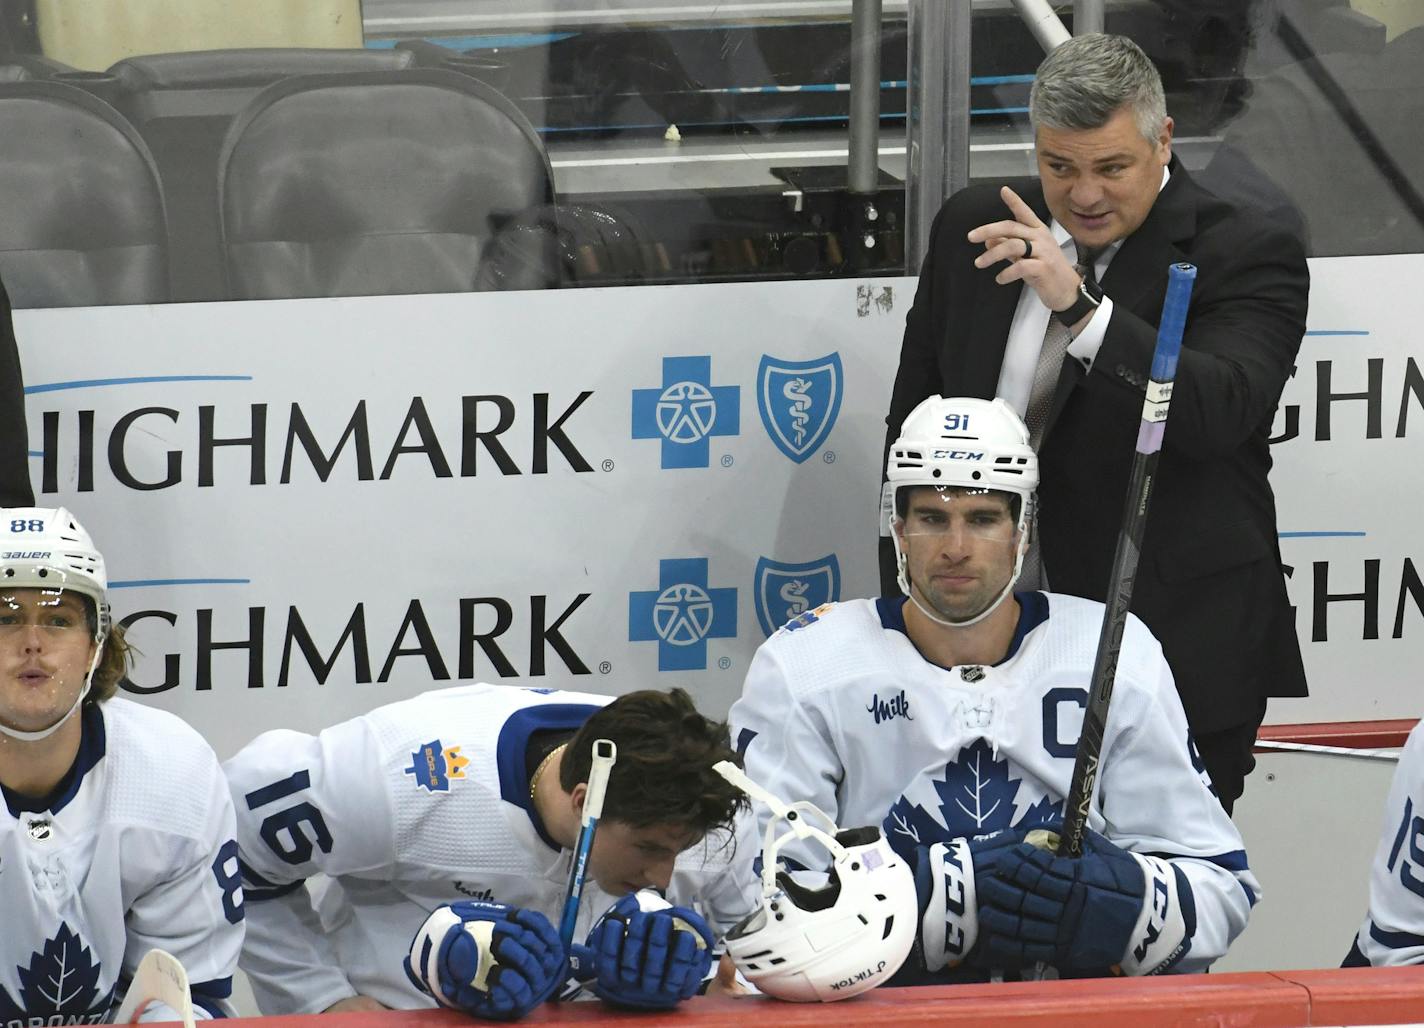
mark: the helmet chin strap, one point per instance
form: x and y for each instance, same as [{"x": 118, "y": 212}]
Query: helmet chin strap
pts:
[
  {"x": 924, "y": 608},
  {"x": 45, "y": 733}
]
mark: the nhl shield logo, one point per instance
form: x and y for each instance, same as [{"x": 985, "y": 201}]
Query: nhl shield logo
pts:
[
  {"x": 799, "y": 401},
  {"x": 784, "y": 591}
]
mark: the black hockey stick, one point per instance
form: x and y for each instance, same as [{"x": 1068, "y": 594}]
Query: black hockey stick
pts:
[{"x": 1180, "y": 278}]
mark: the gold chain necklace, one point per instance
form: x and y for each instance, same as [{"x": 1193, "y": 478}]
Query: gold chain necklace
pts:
[{"x": 534, "y": 779}]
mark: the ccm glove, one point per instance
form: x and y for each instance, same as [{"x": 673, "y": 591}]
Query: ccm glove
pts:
[
  {"x": 947, "y": 877},
  {"x": 1107, "y": 912},
  {"x": 487, "y": 959},
  {"x": 646, "y": 953}
]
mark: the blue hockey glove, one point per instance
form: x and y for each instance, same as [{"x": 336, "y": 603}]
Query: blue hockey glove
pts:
[
  {"x": 487, "y": 959},
  {"x": 646, "y": 953},
  {"x": 1106, "y": 912},
  {"x": 946, "y": 878}
]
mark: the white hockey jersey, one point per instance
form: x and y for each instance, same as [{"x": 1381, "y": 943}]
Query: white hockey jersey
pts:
[
  {"x": 1393, "y": 931},
  {"x": 840, "y": 708},
  {"x": 134, "y": 851},
  {"x": 409, "y": 807}
]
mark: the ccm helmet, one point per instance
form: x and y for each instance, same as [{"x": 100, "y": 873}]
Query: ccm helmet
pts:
[
  {"x": 49, "y": 549},
  {"x": 833, "y": 942},
  {"x": 964, "y": 443}
]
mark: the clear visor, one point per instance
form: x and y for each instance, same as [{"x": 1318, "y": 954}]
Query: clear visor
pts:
[
  {"x": 942, "y": 510},
  {"x": 54, "y": 611}
]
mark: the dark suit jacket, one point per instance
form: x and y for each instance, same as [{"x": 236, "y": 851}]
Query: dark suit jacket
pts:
[
  {"x": 1209, "y": 583},
  {"x": 15, "y": 490}
]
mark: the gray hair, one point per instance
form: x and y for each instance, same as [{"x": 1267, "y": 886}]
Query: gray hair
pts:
[{"x": 1083, "y": 83}]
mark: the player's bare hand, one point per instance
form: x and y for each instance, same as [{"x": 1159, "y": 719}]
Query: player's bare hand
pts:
[
  {"x": 726, "y": 984},
  {"x": 353, "y": 1004},
  {"x": 1033, "y": 255}
]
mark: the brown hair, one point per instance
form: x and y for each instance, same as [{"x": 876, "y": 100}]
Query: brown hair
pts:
[
  {"x": 114, "y": 663},
  {"x": 663, "y": 774}
]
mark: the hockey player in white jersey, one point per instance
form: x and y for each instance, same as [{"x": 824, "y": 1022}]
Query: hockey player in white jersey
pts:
[
  {"x": 117, "y": 833},
  {"x": 951, "y": 716},
  {"x": 1393, "y": 931},
  {"x": 443, "y": 826}
]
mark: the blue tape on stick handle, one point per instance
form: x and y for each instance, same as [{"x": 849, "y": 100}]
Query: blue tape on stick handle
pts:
[{"x": 1180, "y": 279}]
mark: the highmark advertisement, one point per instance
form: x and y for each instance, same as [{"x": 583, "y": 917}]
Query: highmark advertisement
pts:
[{"x": 313, "y": 507}]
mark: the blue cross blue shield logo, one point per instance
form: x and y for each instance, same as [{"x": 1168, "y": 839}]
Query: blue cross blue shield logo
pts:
[
  {"x": 799, "y": 401},
  {"x": 784, "y": 591},
  {"x": 682, "y": 614},
  {"x": 686, "y": 411}
]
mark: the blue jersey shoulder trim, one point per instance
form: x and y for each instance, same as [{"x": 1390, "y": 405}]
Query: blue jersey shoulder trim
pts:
[
  {"x": 92, "y": 745},
  {"x": 514, "y": 740},
  {"x": 892, "y": 613},
  {"x": 1033, "y": 611}
]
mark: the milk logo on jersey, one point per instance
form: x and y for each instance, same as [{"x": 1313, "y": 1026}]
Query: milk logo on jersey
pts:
[
  {"x": 888, "y": 708},
  {"x": 435, "y": 766},
  {"x": 784, "y": 591},
  {"x": 681, "y": 614},
  {"x": 686, "y": 411},
  {"x": 976, "y": 796},
  {"x": 799, "y": 401},
  {"x": 58, "y": 986}
]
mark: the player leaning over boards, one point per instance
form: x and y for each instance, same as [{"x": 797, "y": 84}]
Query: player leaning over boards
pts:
[
  {"x": 117, "y": 831},
  {"x": 951, "y": 717},
  {"x": 445, "y": 824}
]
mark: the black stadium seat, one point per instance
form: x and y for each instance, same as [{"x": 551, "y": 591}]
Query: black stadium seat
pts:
[
  {"x": 343, "y": 185},
  {"x": 81, "y": 210},
  {"x": 182, "y": 104}
]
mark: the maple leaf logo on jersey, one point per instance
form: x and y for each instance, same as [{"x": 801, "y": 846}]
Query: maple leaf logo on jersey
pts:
[
  {"x": 61, "y": 985},
  {"x": 976, "y": 797}
]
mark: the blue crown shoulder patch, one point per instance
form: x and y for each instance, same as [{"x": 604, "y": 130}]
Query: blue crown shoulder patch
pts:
[
  {"x": 809, "y": 617},
  {"x": 435, "y": 766}
]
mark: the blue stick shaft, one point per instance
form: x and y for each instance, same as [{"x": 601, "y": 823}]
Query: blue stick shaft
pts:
[
  {"x": 574, "y": 892},
  {"x": 604, "y": 755}
]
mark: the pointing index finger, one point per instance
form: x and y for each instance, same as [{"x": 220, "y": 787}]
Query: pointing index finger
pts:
[{"x": 1022, "y": 212}]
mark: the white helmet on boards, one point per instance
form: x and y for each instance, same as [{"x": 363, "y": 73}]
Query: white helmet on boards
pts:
[
  {"x": 47, "y": 548},
  {"x": 829, "y": 943},
  {"x": 965, "y": 443}
]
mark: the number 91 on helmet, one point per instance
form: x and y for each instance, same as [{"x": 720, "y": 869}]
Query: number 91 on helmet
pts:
[{"x": 835, "y": 941}]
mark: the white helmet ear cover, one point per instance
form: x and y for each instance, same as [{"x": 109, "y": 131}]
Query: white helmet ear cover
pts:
[{"x": 826, "y": 943}]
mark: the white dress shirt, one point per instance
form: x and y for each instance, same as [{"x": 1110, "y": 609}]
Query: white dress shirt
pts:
[{"x": 1031, "y": 322}]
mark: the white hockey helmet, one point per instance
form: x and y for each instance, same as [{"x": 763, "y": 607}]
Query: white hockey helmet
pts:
[
  {"x": 823, "y": 944},
  {"x": 47, "y": 548},
  {"x": 965, "y": 443}
]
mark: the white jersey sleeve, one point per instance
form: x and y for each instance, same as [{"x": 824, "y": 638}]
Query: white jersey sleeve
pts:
[
  {"x": 1155, "y": 799},
  {"x": 1393, "y": 930},
  {"x": 798, "y": 758},
  {"x": 197, "y": 915},
  {"x": 306, "y": 805}
]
